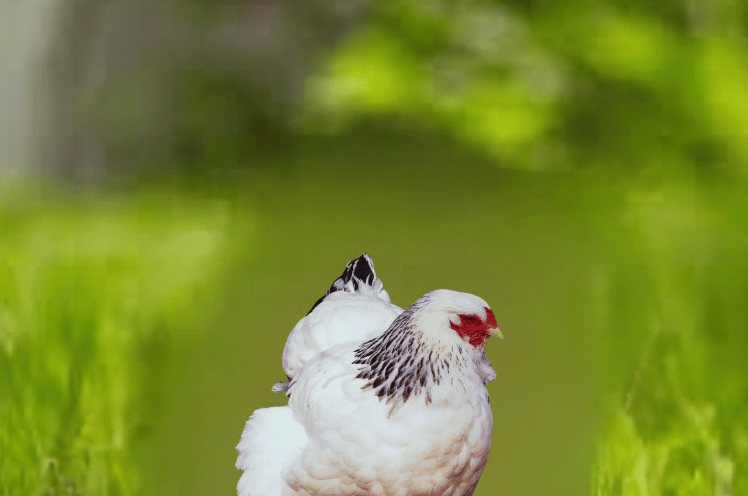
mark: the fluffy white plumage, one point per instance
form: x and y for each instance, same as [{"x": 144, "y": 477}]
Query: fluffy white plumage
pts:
[
  {"x": 355, "y": 308},
  {"x": 400, "y": 408}
]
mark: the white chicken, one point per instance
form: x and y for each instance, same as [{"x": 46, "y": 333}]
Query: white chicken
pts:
[{"x": 403, "y": 412}]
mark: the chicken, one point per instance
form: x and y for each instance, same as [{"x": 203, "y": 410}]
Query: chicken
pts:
[{"x": 404, "y": 412}]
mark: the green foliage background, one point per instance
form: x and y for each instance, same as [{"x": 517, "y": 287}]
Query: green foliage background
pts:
[{"x": 582, "y": 167}]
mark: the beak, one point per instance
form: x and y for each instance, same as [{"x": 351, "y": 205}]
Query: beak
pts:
[{"x": 495, "y": 332}]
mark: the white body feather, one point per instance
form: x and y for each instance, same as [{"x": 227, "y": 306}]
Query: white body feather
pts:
[
  {"x": 271, "y": 438},
  {"x": 359, "y": 445},
  {"x": 341, "y": 318}
]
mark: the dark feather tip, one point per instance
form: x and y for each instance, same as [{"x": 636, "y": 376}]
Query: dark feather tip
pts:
[{"x": 360, "y": 269}]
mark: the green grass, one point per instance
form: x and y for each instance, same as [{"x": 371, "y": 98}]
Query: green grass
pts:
[
  {"x": 91, "y": 294},
  {"x": 677, "y": 422},
  {"x": 140, "y": 328}
]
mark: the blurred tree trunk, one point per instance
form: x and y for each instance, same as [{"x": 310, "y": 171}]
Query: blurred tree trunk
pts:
[
  {"x": 92, "y": 85},
  {"x": 25, "y": 29}
]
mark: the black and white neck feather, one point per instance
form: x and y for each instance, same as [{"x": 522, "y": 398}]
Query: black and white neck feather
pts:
[{"x": 421, "y": 352}]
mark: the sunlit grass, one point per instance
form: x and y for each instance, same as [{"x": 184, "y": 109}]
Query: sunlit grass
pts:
[
  {"x": 90, "y": 291},
  {"x": 676, "y": 423},
  {"x": 136, "y": 337}
]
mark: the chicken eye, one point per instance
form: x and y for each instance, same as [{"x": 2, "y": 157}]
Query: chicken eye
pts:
[{"x": 471, "y": 319}]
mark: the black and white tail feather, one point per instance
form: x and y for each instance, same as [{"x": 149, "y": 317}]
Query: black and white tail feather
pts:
[
  {"x": 358, "y": 278},
  {"x": 358, "y": 273}
]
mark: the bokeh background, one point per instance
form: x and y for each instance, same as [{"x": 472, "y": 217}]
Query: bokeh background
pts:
[{"x": 181, "y": 180}]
